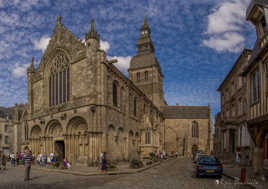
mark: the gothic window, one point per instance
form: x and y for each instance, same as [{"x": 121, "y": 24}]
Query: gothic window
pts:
[
  {"x": 6, "y": 139},
  {"x": 147, "y": 136},
  {"x": 64, "y": 86},
  {"x": 255, "y": 87},
  {"x": 195, "y": 129},
  {"x": 146, "y": 75},
  {"x": 57, "y": 91},
  {"x": 50, "y": 86},
  {"x": 115, "y": 93},
  {"x": 59, "y": 80},
  {"x": 135, "y": 106},
  {"x": 122, "y": 99},
  {"x": 60, "y": 87},
  {"x": 138, "y": 76}
]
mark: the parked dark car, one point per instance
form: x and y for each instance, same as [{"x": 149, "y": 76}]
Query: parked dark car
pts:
[
  {"x": 198, "y": 156},
  {"x": 208, "y": 166}
]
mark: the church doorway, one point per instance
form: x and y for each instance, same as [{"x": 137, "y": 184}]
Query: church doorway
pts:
[{"x": 60, "y": 150}]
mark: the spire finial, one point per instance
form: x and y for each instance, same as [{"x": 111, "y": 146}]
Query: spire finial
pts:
[
  {"x": 145, "y": 20},
  {"x": 32, "y": 61},
  {"x": 59, "y": 19},
  {"x": 92, "y": 25}
]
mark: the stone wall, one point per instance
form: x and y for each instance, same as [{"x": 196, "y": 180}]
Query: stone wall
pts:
[{"x": 179, "y": 136}]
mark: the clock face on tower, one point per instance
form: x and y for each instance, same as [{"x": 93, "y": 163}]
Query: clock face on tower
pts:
[{"x": 144, "y": 32}]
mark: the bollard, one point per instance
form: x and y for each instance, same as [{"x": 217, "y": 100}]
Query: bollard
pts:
[{"x": 243, "y": 175}]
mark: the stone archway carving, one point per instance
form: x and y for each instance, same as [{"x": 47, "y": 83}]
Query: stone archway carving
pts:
[
  {"x": 54, "y": 129},
  {"x": 35, "y": 139},
  {"x": 77, "y": 140}
]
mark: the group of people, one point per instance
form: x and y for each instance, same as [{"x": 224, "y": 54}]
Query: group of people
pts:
[
  {"x": 15, "y": 159},
  {"x": 161, "y": 155},
  {"x": 44, "y": 159}
]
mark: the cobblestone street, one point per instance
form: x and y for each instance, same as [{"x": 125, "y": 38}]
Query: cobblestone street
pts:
[{"x": 177, "y": 173}]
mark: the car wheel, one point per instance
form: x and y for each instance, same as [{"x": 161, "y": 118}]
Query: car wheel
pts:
[{"x": 220, "y": 176}]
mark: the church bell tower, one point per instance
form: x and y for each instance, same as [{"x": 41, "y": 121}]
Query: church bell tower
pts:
[{"x": 145, "y": 71}]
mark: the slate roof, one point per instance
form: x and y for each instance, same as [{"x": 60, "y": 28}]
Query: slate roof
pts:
[
  {"x": 186, "y": 112},
  {"x": 143, "y": 61}
]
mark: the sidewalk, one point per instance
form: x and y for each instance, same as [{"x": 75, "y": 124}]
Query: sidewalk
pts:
[
  {"x": 233, "y": 172},
  {"x": 122, "y": 168}
]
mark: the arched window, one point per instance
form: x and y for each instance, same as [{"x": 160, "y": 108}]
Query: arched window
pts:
[
  {"x": 138, "y": 76},
  {"x": 147, "y": 136},
  {"x": 122, "y": 104},
  {"x": 115, "y": 93},
  {"x": 59, "y": 80},
  {"x": 195, "y": 129},
  {"x": 146, "y": 75}
]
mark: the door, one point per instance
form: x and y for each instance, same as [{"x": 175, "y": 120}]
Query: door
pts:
[{"x": 60, "y": 150}]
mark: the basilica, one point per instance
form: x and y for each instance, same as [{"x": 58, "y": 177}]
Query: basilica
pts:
[{"x": 80, "y": 104}]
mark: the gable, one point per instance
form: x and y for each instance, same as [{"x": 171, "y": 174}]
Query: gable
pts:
[{"x": 64, "y": 40}]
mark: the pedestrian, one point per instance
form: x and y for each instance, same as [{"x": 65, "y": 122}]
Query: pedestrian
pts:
[
  {"x": 44, "y": 160},
  {"x": 20, "y": 158},
  {"x": 40, "y": 159},
  {"x": 104, "y": 163},
  {"x": 4, "y": 161},
  {"x": 12, "y": 159},
  {"x": 100, "y": 159},
  {"x": 17, "y": 159},
  {"x": 177, "y": 154},
  {"x": 237, "y": 158},
  {"x": 27, "y": 159}
]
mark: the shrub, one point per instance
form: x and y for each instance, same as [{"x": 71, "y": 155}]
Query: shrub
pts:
[{"x": 134, "y": 163}]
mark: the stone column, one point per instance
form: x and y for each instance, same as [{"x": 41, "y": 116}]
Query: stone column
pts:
[
  {"x": 258, "y": 160},
  {"x": 89, "y": 147}
]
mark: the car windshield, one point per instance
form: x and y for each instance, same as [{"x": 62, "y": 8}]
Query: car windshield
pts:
[{"x": 204, "y": 159}]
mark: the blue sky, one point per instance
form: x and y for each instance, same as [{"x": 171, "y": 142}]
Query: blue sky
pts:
[{"x": 196, "y": 41}]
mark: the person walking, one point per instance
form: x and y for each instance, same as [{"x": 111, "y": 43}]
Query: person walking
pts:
[
  {"x": 177, "y": 154},
  {"x": 238, "y": 158},
  {"x": 12, "y": 160},
  {"x": 104, "y": 163},
  {"x": 100, "y": 159},
  {"x": 4, "y": 161},
  {"x": 28, "y": 159}
]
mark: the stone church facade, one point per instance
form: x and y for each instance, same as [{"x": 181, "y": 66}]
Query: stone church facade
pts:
[{"x": 80, "y": 104}]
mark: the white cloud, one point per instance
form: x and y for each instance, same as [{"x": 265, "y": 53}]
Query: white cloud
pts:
[
  {"x": 123, "y": 63},
  {"x": 42, "y": 43},
  {"x": 104, "y": 45},
  {"x": 225, "y": 25},
  {"x": 229, "y": 41},
  {"x": 20, "y": 71}
]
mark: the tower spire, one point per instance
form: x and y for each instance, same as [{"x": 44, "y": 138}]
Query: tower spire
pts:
[
  {"x": 145, "y": 20},
  {"x": 92, "y": 30},
  {"x": 59, "y": 19},
  {"x": 92, "y": 34}
]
